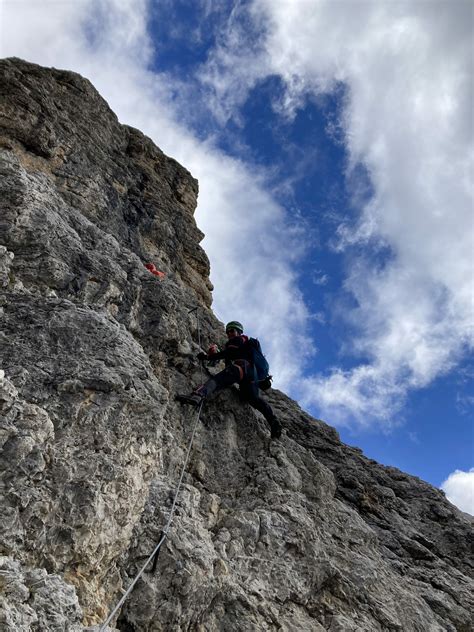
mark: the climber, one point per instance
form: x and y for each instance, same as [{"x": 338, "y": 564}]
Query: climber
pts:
[{"x": 239, "y": 369}]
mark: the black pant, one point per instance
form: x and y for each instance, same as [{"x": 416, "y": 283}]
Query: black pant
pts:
[{"x": 240, "y": 372}]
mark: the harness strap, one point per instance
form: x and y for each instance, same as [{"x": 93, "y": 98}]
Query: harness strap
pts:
[{"x": 242, "y": 366}]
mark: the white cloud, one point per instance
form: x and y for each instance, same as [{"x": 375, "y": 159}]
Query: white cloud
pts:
[
  {"x": 408, "y": 119},
  {"x": 459, "y": 489},
  {"x": 247, "y": 239}
]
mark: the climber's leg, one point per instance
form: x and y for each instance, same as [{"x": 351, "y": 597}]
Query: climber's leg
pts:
[
  {"x": 251, "y": 394},
  {"x": 227, "y": 377}
]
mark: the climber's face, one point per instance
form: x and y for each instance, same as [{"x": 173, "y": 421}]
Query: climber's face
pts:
[{"x": 231, "y": 333}]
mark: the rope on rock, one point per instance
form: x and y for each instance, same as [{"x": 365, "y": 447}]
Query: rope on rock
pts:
[{"x": 164, "y": 534}]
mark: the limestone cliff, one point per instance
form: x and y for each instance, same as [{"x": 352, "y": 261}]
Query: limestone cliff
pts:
[{"x": 300, "y": 534}]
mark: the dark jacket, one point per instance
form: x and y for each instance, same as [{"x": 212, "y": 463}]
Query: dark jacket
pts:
[{"x": 235, "y": 349}]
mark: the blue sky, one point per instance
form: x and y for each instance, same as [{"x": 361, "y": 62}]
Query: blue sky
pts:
[{"x": 335, "y": 138}]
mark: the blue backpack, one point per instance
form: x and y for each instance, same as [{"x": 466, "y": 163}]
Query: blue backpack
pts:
[{"x": 261, "y": 365}]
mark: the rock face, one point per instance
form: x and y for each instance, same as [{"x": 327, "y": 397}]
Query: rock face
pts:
[{"x": 304, "y": 533}]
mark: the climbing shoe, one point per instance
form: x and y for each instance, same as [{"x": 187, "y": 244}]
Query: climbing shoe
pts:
[
  {"x": 193, "y": 398},
  {"x": 275, "y": 427}
]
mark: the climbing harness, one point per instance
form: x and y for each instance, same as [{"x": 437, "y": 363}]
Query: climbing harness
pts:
[{"x": 165, "y": 531}]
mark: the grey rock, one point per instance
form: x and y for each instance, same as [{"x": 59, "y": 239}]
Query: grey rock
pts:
[
  {"x": 303, "y": 533},
  {"x": 32, "y": 599}
]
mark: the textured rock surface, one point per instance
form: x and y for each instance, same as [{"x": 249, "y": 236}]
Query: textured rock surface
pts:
[{"x": 299, "y": 534}]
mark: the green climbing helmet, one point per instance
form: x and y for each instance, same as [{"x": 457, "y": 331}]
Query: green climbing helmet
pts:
[{"x": 234, "y": 324}]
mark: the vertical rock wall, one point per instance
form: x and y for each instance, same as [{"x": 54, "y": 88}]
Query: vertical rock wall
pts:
[{"x": 298, "y": 534}]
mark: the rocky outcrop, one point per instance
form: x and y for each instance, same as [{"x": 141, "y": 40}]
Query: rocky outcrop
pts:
[{"x": 303, "y": 533}]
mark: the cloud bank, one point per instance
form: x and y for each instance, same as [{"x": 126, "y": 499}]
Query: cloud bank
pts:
[
  {"x": 407, "y": 119},
  {"x": 459, "y": 489}
]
